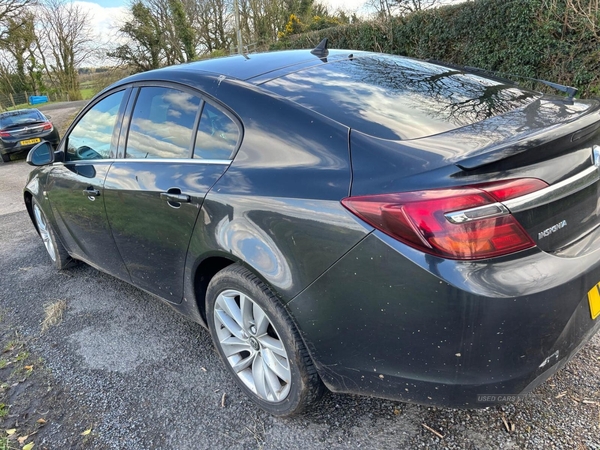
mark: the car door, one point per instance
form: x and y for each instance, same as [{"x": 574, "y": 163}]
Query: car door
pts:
[
  {"x": 76, "y": 185},
  {"x": 154, "y": 192}
]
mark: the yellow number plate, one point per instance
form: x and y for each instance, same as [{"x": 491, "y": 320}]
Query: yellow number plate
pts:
[
  {"x": 30, "y": 141},
  {"x": 594, "y": 300}
]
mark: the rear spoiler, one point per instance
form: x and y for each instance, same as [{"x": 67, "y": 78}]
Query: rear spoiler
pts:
[{"x": 569, "y": 90}]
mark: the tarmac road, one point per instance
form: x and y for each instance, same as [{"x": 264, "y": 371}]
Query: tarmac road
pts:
[
  {"x": 61, "y": 105},
  {"x": 128, "y": 367}
]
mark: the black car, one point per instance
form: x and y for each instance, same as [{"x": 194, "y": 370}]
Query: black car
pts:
[
  {"x": 375, "y": 224},
  {"x": 22, "y": 129}
]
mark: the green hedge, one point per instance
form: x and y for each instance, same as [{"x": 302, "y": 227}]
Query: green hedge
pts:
[{"x": 533, "y": 38}]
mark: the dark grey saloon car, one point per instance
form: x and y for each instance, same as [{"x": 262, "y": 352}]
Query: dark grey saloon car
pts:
[
  {"x": 368, "y": 223},
  {"x": 22, "y": 129}
]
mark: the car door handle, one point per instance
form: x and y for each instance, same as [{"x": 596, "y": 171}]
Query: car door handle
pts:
[
  {"x": 177, "y": 198},
  {"x": 90, "y": 192}
]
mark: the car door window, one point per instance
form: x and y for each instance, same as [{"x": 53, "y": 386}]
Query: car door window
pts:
[
  {"x": 217, "y": 135},
  {"x": 92, "y": 136},
  {"x": 162, "y": 122}
]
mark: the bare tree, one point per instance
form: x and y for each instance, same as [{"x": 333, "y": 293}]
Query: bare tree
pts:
[
  {"x": 388, "y": 8},
  {"x": 212, "y": 19},
  {"x": 65, "y": 42},
  {"x": 585, "y": 12},
  {"x": 11, "y": 10},
  {"x": 410, "y": 6}
]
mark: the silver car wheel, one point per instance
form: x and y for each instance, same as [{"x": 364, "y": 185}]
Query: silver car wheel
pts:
[
  {"x": 252, "y": 346},
  {"x": 44, "y": 232}
]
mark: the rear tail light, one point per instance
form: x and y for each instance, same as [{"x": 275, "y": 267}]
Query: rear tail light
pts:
[
  {"x": 467, "y": 222},
  {"x": 47, "y": 126},
  {"x": 4, "y": 134}
]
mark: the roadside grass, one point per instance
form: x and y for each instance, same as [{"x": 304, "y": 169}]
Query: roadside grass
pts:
[
  {"x": 26, "y": 106},
  {"x": 63, "y": 126},
  {"x": 5, "y": 444},
  {"x": 87, "y": 92}
]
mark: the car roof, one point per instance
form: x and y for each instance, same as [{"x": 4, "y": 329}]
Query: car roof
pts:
[{"x": 247, "y": 67}]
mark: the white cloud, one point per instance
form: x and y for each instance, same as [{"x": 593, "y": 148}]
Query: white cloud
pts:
[
  {"x": 104, "y": 21},
  {"x": 351, "y": 6}
]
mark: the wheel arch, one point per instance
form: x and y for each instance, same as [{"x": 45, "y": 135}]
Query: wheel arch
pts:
[
  {"x": 28, "y": 199},
  {"x": 206, "y": 268}
]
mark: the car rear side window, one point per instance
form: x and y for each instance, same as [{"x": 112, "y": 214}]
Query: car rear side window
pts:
[
  {"x": 162, "y": 123},
  {"x": 91, "y": 137},
  {"x": 217, "y": 135}
]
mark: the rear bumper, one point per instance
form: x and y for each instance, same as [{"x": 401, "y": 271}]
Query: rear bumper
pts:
[
  {"x": 389, "y": 321},
  {"x": 14, "y": 146}
]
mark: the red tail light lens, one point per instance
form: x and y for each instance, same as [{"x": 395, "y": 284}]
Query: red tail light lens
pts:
[
  {"x": 47, "y": 126},
  {"x": 4, "y": 134},
  {"x": 421, "y": 219}
]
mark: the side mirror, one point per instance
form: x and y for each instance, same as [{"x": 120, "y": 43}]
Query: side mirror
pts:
[{"x": 41, "y": 155}]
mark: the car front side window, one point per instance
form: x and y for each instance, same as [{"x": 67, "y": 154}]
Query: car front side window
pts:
[
  {"x": 161, "y": 124},
  {"x": 92, "y": 136}
]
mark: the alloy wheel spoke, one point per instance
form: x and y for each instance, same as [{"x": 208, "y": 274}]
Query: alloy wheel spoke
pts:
[
  {"x": 246, "y": 306},
  {"x": 260, "y": 319},
  {"x": 230, "y": 306},
  {"x": 233, "y": 345},
  {"x": 244, "y": 363},
  {"x": 275, "y": 345},
  {"x": 258, "y": 373},
  {"x": 231, "y": 325},
  {"x": 275, "y": 365},
  {"x": 273, "y": 384}
]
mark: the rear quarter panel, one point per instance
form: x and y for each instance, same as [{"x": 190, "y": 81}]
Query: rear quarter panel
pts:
[{"x": 277, "y": 208}]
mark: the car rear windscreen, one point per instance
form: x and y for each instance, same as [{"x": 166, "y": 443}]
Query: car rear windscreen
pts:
[
  {"x": 395, "y": 98},
  {"x": 22, "y": 117}
]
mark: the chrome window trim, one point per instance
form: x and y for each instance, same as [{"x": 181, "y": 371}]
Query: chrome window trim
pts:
[
  {"x": 223, "y": 162},
  {"x": 85, "y": 161},
  {"x": 555, "y": 192},
  {"x": 178, "y": 160}
]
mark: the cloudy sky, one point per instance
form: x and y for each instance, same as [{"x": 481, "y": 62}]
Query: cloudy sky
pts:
[{"x": 105, "y": 14}]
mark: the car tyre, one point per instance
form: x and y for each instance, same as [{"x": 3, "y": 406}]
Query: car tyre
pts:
[
  {"x": 5, "y": 158},
  {"x": 58, "y": 254},
  {"x": 259, "y": 343}
]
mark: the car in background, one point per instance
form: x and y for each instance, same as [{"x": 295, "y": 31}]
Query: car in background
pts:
[
  {"x": 371, "y": 223},
  {"x": 22, "y": 129}
]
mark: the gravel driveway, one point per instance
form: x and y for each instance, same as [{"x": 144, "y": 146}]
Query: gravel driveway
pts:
[{"x": 123, "y": 370}]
